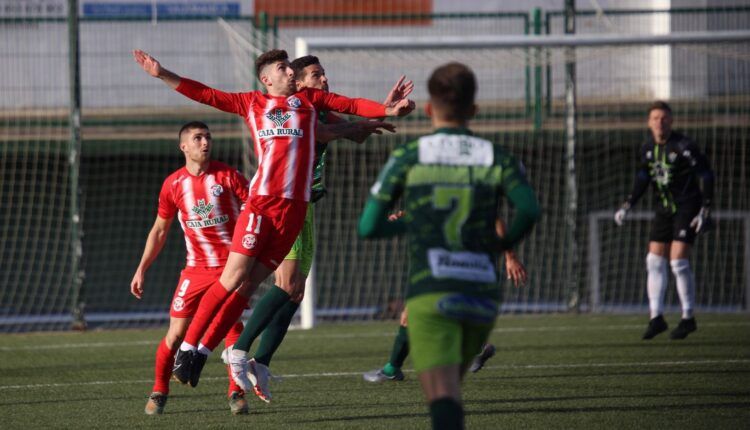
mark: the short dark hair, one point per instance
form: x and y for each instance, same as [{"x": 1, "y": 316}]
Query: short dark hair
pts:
[
  {"x": 192, "y": 125},
  {"x": 660, "y": 105},
  {"x": 452, "y": 89},
  {"x": 300, "y": 63},
  {"x": 270, "y": 57}
]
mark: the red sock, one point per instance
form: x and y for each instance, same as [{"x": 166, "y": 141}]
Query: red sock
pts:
[
  {"x": 210, "y": 304},
  {"x": 232, "y": 336},
  {"x": 163, "y": 367},
  {"x": 229, "y": 314}
]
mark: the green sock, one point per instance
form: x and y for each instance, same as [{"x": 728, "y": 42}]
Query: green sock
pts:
[
  {"x": 446, "y": 414},
  {"x": 275, "y": 332},
  {"x": 389, "y": 369},
  {"x": 400, "y": 349},
  {"x": 262, "y": 314}
]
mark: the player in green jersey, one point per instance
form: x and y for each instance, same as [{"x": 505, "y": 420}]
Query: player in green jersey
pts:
[
  {"x": 391, "y": 371},
  {"x": 451, "y": 182}
]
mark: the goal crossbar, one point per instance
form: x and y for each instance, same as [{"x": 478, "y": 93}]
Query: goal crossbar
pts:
[{"x": 303, "y": 46}]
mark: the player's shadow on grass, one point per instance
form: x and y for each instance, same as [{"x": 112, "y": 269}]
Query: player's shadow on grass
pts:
[
  {"x": 607, "y": 374},
  {"x": 139, "y": 396},
  {"x": 599, "y": 409},
  {"x": 636, "y": 343},
  {"x": 389, "y": 416},
  {"x": 691, "y": 395},
  {"x": 34, "y": 370}
]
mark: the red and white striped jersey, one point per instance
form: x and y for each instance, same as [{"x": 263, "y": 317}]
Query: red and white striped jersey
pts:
[
  {"x": 207, "y": 207},
  {"x": 283, "y": 130}
]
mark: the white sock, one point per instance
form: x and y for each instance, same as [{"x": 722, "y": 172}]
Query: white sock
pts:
[
  {"x": 685, "y": 285},
  {"x": 203, "y": 350},
  {"x": 238, "y": 353},
  {"x": 656, "y": 283},
  {"x": 184, "y": 346}
]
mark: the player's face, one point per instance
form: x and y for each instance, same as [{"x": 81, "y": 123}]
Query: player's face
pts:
[
  {"x": 315, "y": 77},
  {"x": 196, "y": 144},
  {"x": 660, "y": 124},
  {"x": 279, "y": 78}
]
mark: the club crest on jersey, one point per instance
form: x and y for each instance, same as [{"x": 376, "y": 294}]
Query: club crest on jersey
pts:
[
  {"x": 661, "y": 174},
  {"x": 178, "y": 304},
  {"x": 249, "y": 241},
  {"x": 294, "y": 102},
  {"x": 202, "y": 209},
  {"x": 279, "y": 117},
  {"x": 216, "y": 190}
]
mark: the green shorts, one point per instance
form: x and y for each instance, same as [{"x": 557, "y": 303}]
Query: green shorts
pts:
[
  {"x": 303, "y": 248},
  {"x": 448, "y": 328}
]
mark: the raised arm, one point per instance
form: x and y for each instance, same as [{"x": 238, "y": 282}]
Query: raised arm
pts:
[
  {"x": 154, "y": 244},
  {"x": 356, "y": 131},
  {"x": 361, "y": 107},
  {"x": 236, "y": 103},
  {"x": 151, "y": 66},
  {"x": 400, "y": 91}
]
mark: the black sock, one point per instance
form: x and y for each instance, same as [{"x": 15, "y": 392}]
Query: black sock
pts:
[
  {"x": 262, "y": 314},
  {"x": 446, "y": 414},
  {"x": 275, "y": 332}
]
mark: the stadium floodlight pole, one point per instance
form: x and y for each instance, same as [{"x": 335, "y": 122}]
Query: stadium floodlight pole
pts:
[{"x": 74, "y": 156}]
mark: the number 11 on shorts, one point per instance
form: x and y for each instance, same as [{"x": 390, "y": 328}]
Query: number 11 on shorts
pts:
[{"x": 250, "y": 220}]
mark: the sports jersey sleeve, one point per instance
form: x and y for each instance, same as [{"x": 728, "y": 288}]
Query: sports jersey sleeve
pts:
[
  {"x": 324, "y": 100},
  {"x": 520, "y": 194},
  {"x": 642, "y": 179},
  {"x": 387, "y": 189},
  {"x": 240, "y": 186},
  {"x": 167, "y": 206},
  {"x": 236, "y": 103},
  {"x": 699, "y": 162}
]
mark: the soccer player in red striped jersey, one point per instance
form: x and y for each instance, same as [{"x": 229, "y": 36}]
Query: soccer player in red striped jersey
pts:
[
  {"x": 291, "y": 275},
  {"x": 283, "y": 124},
  {"x": 206, "y": 197}
]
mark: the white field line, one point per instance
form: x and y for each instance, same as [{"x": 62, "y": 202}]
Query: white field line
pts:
[
  {"x": 302, "y": 334},
  {"x": 342, "y": 374}
]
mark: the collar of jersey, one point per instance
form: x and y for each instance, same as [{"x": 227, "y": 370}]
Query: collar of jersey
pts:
[{"x": 454, "y": 130}]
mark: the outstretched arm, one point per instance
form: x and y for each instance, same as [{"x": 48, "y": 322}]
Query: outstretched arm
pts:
[
  {"x": 154, "y": 244},
  {"x": 154, "y": 68},
  {"x": 399, "y": 91},
  {"x": 227, "y": 102},
  {"x": 356, "y": 131},
  {"x": 361, "y": 107}
]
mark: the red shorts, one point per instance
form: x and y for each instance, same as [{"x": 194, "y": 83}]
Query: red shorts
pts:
[
  {"x": 267, "y": 228},
  {"x": 194, "y": 282}
]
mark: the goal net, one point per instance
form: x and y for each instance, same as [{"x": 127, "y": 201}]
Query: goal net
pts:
[
  {"x": 130, "y": 121},
  {"x": 703, "y": 75}
]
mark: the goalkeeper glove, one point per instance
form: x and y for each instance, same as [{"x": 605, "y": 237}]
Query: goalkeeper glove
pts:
[
  {"x": 620, "y": 214},
  {"x": 701, "y": 220}
]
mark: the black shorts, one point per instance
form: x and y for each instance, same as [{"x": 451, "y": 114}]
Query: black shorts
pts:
[{"x": 667, "y": 227}]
